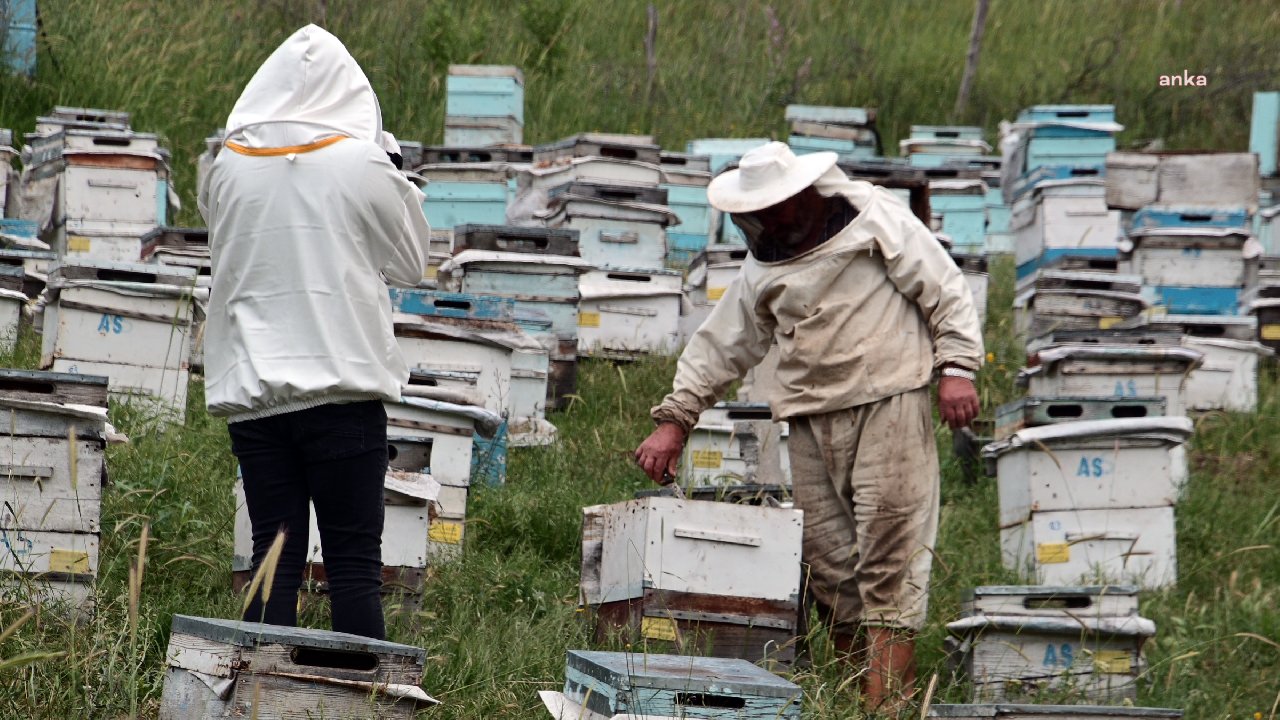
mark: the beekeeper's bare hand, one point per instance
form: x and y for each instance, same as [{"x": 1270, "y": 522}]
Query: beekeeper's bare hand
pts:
[
  {"x": 957, "y": 402},
  {"x": 660, "y": 452}
]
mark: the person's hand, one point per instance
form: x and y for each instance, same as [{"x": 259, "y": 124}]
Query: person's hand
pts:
[
  {"x": 957, "y": 401},
  {"x": 659, "y": 452}
]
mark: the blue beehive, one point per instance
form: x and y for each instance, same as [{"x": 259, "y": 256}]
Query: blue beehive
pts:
[
  {"x": 677, "y": 686},
  {"x": 803, "y": 144},
  {"x": 489, "y": 458},
  {"x": 1157, "y": 216},
  {"x": 1264, "y": 132},
  {"x": 433, "y": 303},
  {"x": 963, "y": 207},
  {"x": 485, "y": 91},
  {"x": 722, "y": 151},
  {"x": 449, "y": 204},
  {"x": 1068, "y": 113},
  {"x": 19, "y": 51}
]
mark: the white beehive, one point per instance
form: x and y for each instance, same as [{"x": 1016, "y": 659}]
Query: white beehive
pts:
[
  {"x": 1087, "y": 465},
  {"x": 1065, "y": 547},
  {"x": 1112, "y": 371},
  {"x": 736, "y": 443},
  {"x": 51, "y": 486},
  {"x": 615, "y": 234},
  {"x": 228, "y": 668},
  {"x": 1062, "y": 217},
  {"x": 629, "y": 312},
  {"x": 1026, "y": 642}
]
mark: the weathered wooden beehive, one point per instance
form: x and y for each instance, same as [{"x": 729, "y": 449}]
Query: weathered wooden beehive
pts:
[
  {"x": 129, "y": 322},
  {"x": 687, "y": 573},
  {"x": 228, "y": 669},
  {"x": 1076, "y": 643},
  {"x": 629, "y": 312},
  {"x": 735, "y": 443},
  {"x": 1029, "y": 412},
  {"x": 1053, "y": 299},
  {"x": 620, "y": 226},
  {"x": 1112, "y": 371},
  {"x": 51, "y": 486},
  {"x": 709, "y": 275},
  {"x": 1092, "y": 499},
  {"x": 1062, "y": 217},
  {"x": 611, "y": 686}
]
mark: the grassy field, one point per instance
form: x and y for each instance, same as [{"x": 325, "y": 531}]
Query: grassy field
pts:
[{"x": 497, "y": 624}]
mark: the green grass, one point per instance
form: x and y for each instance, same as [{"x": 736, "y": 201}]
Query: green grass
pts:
[{"x": 496, "y": 625}]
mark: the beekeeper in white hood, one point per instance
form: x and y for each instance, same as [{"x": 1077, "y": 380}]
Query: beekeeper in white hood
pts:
[{"x": 308, "y": 221}]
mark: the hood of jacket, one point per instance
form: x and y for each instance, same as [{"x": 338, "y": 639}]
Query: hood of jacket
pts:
[{"x": 310, "y": 88}]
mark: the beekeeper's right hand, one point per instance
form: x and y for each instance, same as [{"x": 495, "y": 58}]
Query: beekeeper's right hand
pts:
[{"x": 660, "y": 452}]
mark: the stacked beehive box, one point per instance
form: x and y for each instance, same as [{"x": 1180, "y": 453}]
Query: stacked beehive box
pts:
[
  {"x": 475, "y": 339},
  {"x": 537, "y": 268},
  {"x": 20, "y": 248},
  {"x": 722, "y": 152},
  {"x": 188, "y": 248},
  {"x": 708, "y": 276},
  {"x": 1054, "y": 157},
  {"x": 687, "y": 572},
  {"x": 1051, "y": 300},
  {"x": 52, "y": 486},
  {"x": 849, "y": 131},
  {"x": 227, "y": 668},
  {"x": 98, "y": 186},
  {"x": 736, "y": 443},
  {"x": 934, "y": 145},
  {"x": 618, "y": 686},
  {"x": 129, "y": 322},
  {"x": 685, "y": 178},
  {"x": 608, "y": 187},
  {"x": 484, "y": 105},
  {"x": 1187, "y": 232},
  {"x": 1018, "y": 643},
  {"x": 959, "y": 211}
]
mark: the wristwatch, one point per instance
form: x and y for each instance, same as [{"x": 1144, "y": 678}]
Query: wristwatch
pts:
[{"x": 960, "y": 373}]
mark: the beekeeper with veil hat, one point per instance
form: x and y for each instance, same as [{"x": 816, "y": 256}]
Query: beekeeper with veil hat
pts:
[{"x": 308, "y": 222}]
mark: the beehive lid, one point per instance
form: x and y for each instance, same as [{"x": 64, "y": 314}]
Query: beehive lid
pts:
[
  {"x": 1172, "y": 430},
  {"x": 1071, "y": 712},
  {"x": 250, "y": 634},
  {"x": 510, "y": 71},
  {"x": 632, "y": 671},
  {"x": 468, "y": 257}
]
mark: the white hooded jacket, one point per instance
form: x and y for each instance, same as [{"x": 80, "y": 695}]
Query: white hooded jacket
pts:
[{"x": 308, "y": 222}]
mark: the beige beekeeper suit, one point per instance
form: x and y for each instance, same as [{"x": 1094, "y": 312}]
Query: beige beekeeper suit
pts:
[{"x": 862, "y": 323}]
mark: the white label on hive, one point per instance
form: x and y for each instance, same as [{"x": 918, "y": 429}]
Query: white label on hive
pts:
[
  {"x": 658, "y": 628},
  {"x": 589, "y": 319},
  {"x": 1052, "y": 553}
]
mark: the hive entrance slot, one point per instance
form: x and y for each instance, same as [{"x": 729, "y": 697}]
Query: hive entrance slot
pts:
[
  {"x": 126, "y": 276},
  {"x": 1065, "y": 411},
  {"x": 750, "y": 415},
  {"x": 1205, "y": 330},
  {"x": 1060, "y": 602},
  {"x": 948, "y": 134},
  {"x": 1077, "y": 172},
  {"x": 1073, "y": 113},
  {"x": 630, "y": 277},
  {"x": 453, "y": 304},
  {"x": 334, "y": 659},
  {"x": 30, "y": 386},
  {"x": 1129, "y": 411},
  {"x": 708, "y": 700},
  {"x": 113, "y": 141},
  {"x": 617, "y": 152}
]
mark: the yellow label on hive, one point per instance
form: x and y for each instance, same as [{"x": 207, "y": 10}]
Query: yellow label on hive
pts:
[
  {"x": 589, "y": 319},
  {"x": 68, "y": 561},
  {"x": 1051, "y": 553},
  {"x": 715, "y": 293},
  {"x": 445, "y": 531},
  {"x": 1106, "y": 323},
  {"x": 1113, "y": 661},
  {"x": 707, "y": 459},
  {"x": 1270, "y": 332},
  {"x": 77, "y": 243},
  {"x": 658, "y": 628}
]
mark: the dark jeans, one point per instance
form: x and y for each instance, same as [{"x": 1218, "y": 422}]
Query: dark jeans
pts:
[{"x": 334, "y": 456}]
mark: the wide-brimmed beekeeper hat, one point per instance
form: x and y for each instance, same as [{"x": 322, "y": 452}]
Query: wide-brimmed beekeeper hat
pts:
[{"x": 766, "y": 176}]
